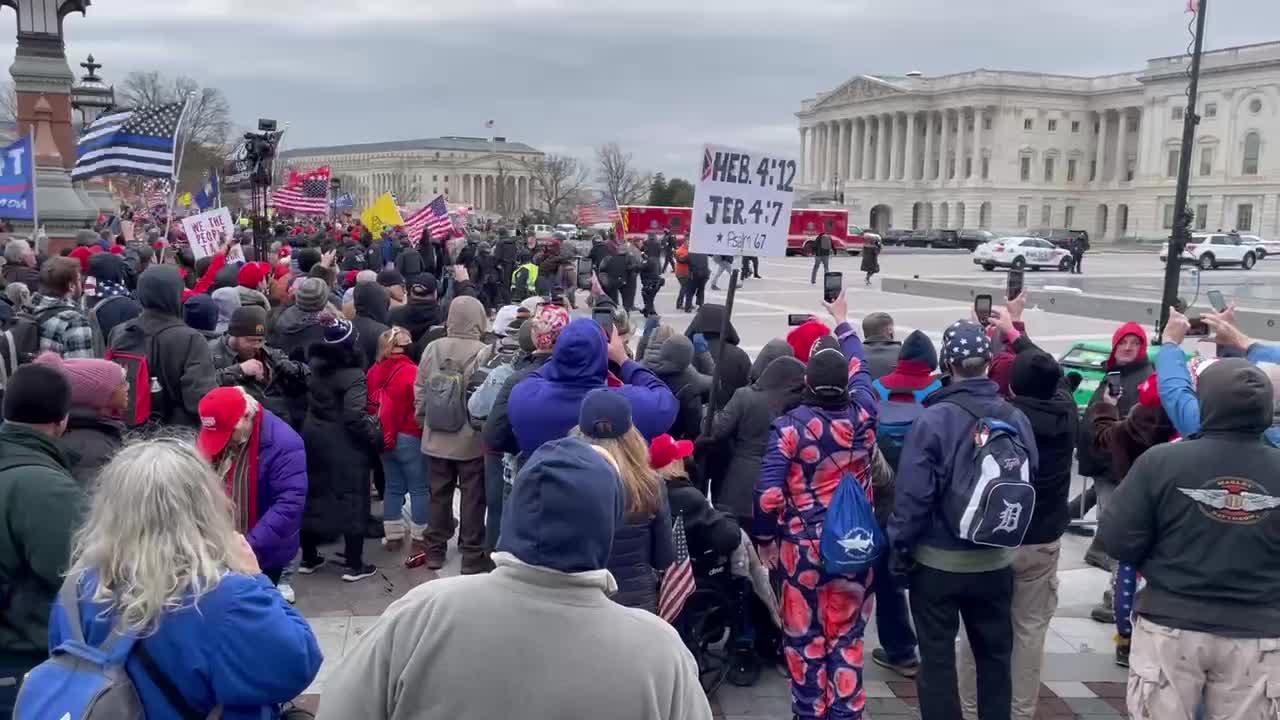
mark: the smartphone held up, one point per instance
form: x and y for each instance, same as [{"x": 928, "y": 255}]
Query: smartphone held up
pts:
[
  {"x": 832, "y": 286},
  {"x": 982, "y": 309}
]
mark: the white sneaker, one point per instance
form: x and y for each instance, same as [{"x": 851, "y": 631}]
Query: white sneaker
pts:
[{"x": 286, "y": 592}]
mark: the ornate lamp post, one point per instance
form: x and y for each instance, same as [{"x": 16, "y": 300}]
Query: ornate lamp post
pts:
[
  {"x": 91, "y": 97},
  {"x": 42, "y": 81}
]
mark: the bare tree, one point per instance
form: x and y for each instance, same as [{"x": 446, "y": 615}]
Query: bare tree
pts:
[
  {"x": 616, "y": 173},
  {"x": 556, "y": 179},
  {"x": 8, "y": 102},
  {"x": 209, "y": 117}
]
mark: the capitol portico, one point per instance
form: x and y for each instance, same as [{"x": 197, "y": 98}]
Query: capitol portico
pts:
[{"x": 1008, "y": 150}]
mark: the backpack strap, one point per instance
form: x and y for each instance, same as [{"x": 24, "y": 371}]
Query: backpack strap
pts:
[
  {"x": 171, "y": 693},
  {"x": 69, "y": 598}
]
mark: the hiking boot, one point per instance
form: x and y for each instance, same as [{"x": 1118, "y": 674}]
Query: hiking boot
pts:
[
  {"x": 1122, "y": 652},
  {"x": 1109, "y": 598},
  {"x": 435, "y": 560},
  {"x": 1099, "y": 559},
  {"x": 906, "y": 668},
  {"x": 1103, "y": 614},
  {"x": 306, "y": 567},
  {"x": 356, "y": 574}
]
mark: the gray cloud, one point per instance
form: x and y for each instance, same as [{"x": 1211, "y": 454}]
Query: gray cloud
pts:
[{"x": 660, "y": 77}]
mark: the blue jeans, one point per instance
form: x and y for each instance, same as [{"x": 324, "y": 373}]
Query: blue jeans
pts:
[
  {"x": 493, "y": 494},
  {"x": 406, "y": 470},
  {"x": 893, "y": 616}
]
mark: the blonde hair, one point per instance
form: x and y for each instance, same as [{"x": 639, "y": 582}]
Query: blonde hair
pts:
[
  {"x": 159, "y": 533},
  {"x": 644, "y": 489},
  {"x": 390, "y": 340}
]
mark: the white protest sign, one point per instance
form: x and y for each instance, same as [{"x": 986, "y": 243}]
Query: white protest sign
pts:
[
  {"x": 208, "y": 230},
  {"x": 742, "y": 203}
]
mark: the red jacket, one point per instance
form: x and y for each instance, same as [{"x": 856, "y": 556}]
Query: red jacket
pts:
[
  {"x": 391, "y": 398},
  {"x": 1001, "y": 370}
]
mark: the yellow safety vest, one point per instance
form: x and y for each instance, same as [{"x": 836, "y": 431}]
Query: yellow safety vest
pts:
[{"x": 531, "y": 280}]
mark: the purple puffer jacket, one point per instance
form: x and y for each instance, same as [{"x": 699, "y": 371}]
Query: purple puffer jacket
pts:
[{"x": 282, "y": 492}]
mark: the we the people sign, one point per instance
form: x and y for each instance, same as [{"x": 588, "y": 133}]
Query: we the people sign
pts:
[
  {"x": 742, "y": 203},
  {"x": 208, "y": 230}
]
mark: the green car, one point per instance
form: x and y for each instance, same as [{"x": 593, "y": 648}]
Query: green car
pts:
[{"x": 1089, "y": 359}]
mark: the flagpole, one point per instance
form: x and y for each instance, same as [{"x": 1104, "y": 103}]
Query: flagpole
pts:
[{"x": 178, "y": 148}]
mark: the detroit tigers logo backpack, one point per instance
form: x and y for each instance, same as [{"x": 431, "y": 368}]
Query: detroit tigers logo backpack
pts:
[{"x": 991, "y": 498}]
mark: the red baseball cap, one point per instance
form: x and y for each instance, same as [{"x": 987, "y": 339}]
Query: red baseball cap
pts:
[
  {"x": 221, "y": 409},
  {"x": 663, "y": 451}
]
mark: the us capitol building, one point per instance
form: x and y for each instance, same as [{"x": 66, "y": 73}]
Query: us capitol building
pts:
[
  {"x": 489, "y": 174},
  {"x": 1009, "y": 150}
]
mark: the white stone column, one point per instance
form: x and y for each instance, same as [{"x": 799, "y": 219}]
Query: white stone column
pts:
[
  {"x": 846, "y": 152},
  {"x": 961, "y": 143},
  {"x": 882, "y": 147},
  {"x": 913, "y": 139},
  {"x": 824, "y": 140},
  {"x": 1122, "y": 141},
  {"x": 811, "y": 162},
  {"x": 975, "y": 153},
  {"x": 1140, "y": 159},
  {"x": 1100, "y": 155},
  {"x": 868, "y": 155},
  {"x": 944, "y": 146},
  {"x": 893, "y": 146},
  {"x": 833, "y": 152},
  {"x": 842, "y": 151},
  {"x": 926, "y": 172},
  {"x": 855, "y": 148},
  {"x": 804, "y": 166}
]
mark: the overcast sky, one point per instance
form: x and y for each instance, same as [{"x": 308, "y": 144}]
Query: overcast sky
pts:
[{"x": 660, "y": 77}]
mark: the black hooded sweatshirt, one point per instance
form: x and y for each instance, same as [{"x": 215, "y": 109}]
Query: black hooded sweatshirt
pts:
[
  {"x": 1055, "y": 424},
  {"x": 178, "y": 355},
  {"x": 735, "y": 372},
  {"x": 373, "y": 309},
  {"x": 1200, "y": 518}
]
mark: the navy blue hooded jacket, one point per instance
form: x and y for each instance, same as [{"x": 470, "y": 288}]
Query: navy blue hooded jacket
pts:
[
  {"x": 940, "y": 440},
  {"x": 545, "y": 405},
  {"x": 564, "y": 507}
]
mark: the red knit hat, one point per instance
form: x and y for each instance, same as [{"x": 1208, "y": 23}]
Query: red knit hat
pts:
[
  {"x": 802, "y": 338},
  {"x": 252, "y": 275},
  {"x": 665, "y": 450}
]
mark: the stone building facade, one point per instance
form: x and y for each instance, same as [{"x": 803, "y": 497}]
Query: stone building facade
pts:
[
  {"x": 489, "y": 174},
  {"x": 1007, "y": 150}
]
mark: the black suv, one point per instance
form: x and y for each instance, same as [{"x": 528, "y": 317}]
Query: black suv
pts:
[
  {"x": 1061, "y": 237},
  {"x": 895, "y": 236},
  {"x": 970, "y": 239},
  {"x": 934, "y": 239}
]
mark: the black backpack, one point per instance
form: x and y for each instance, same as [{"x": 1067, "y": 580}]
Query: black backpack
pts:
[{"x": 20, "y": 340}]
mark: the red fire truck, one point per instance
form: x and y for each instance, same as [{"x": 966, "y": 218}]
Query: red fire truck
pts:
[{"x": 805, "y": 225}]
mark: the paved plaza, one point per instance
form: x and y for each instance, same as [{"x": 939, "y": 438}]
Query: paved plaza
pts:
[{"x": 1080, "y": 679}]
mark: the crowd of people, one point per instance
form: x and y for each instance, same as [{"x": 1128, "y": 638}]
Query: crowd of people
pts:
[{"x": 183, "y": 436}]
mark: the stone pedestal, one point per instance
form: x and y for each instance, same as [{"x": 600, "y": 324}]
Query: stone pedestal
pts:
[{"x": 62, "y": 208}]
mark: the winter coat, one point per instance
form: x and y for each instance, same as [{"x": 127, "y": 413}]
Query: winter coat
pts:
[
  {"x": 642, "y": 548},
  {"x": 464, "y": 347},
  {"x": 391, "y": 398},
  {"x": 285, "y": 390},
  {"x": 1054, "y": 423},
  {"x": 282, "y": 492},
  {"x": 699, "y": 267},
  {"x": 544, "y": 406},
  {"x": 870, "y": 258},
  {"x": 28, "y": 276},
  {"x": 373, "y": 309},
  {"x": 498, "y": 433},
  {"x": 295, "y": 331},
  {"x": 1178, "y": 393},
  {"x": 810, "y": 450},
  {"x": 111, "y": 312},
  {"x": 41, "y": 505},
  {"x": 745, "y": 424},
  {"x": 1091, "y": 462},
  {"x": 181, "y": 354},
  {"x": 712, "y": 534},
  {"x": 241, "y": 646},
  {"x": 938, "y": 442},
  {"x": 417, "y": 316},
  {"x": 91, "y": 440},
  {"x": 671, "y": 359},
  {"x": 410, "y": 262},
  {"x": 735, "y": 365},
  {"x": 882, "y": 355},
  {"x": 340, "y": 438}
]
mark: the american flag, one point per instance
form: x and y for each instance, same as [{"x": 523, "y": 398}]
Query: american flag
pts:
[
  {"x": 156, "y": 193},
  {"x": 306, "y": 194},
  {"x": 433, "y": 215},
  {"x": 677, "y": 582},
  {"x": 130, "y": 142},
  {"x": 601, "y": 209}
]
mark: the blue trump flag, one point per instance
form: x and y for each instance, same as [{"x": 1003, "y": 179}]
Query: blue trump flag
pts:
[
  {"x": 17, "y": 186},
  {"x": 343, "y": 202},
  {"x": 208, "y": 195}
]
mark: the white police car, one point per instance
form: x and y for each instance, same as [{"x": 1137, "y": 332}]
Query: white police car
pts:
[{"x": 1021, "y": 252}]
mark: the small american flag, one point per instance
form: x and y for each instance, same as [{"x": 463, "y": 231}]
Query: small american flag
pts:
[
  {"x": 434, "y": 216},
  {"x": 602, "y": 209},
  {"x": 677, "y": 583},
  {"x": 306, "y": 194},
  {"x": 155, "y": 194}
]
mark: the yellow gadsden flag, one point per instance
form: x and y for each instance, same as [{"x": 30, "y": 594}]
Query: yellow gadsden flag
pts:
[
  {"x": 383, "y": 213},
  {"x": 185, "y": 199}
]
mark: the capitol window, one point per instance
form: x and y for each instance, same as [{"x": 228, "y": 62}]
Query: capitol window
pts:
[
  {"x": 1211, "y": 110},
  {"x": 1027, "y": 124},
  {"x": 986, "y": 123},
  {"x": 1022, "y": 216},
  {"x": 1075, "y": 126},
  {"x": 1177, "y": 112},
  {"x": 1167, "y": 220},
  {"x": 1053, "y": 126},
  {"x": 1048, "y": 169},
  {"x": 1202, "y": 216},
  {"x": 1046, "y": 215},
  {"x": 1252, "y": 151},
  {"x": 1026, "y": 168},
  {"x": 1244, "y": 217},
  {"x": 1071, "y": 170},
  {"x": 1206, "y": 161},
  {"x": 1172, "y": 169},
  {"x": 1255, "y": 106}
]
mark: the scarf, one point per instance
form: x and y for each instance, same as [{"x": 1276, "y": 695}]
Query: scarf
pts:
[{"x": 242, "y": 479}]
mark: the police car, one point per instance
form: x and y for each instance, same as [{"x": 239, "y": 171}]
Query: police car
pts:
[{"x": 1021, "y": 252}]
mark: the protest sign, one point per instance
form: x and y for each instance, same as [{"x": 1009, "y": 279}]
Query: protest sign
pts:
[
  {"x": 17, "y": 190},
  {"x": 742, "y": 203},
  {"x": 206, "y": 231}
]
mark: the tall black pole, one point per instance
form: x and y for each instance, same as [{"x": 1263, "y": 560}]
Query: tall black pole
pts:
[{"x": 1181, "y": 218}]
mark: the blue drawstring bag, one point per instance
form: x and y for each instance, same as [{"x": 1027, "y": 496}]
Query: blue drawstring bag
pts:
[{"x": 851, "y": 541}]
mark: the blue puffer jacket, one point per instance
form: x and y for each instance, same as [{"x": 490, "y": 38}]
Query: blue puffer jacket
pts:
[
  {"x": 243, "y": 648},
  {"x": 282, "y": 493},
  {"x": 936, "y": 444},
  {"x": 1178, "y": 392},
  {"x": 642, "y": 547},
  {"x": 544, "y": 406}
]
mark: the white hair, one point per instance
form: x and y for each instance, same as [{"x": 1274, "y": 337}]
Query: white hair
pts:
[
  {"x": 159, "y": 533},
  {"x": 16, "y": 250},
  {"x": 365, "y": 277}
]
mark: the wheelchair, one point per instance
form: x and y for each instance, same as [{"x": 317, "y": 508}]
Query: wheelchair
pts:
[{"x": 715, "y": 625}]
